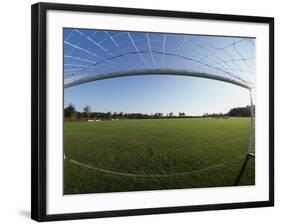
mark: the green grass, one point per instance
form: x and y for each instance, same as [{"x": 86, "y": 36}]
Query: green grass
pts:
[{"x": 155, "y": 147}]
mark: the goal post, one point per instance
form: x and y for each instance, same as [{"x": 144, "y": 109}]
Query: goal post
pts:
[{"x": 251, "y": 151}]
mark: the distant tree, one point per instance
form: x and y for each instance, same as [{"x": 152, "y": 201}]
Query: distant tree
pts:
[
  {"x": 241, "y": 111},
  {"x": 181, "y": 114},
  {"x": 108, "y": 115},
  {"x": 115, "y": 115},
  {"x": 87, "y": 110},
  {"x": 157, "y": 115},
  {"x": 120, "y": 115},
  {"x": 78, "y": 115},
  {"x": 171, "y": 114},
  {"x": 70, "y": 111}
]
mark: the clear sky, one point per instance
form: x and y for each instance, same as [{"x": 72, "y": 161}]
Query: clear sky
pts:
[{"x": 225, "y": 56}]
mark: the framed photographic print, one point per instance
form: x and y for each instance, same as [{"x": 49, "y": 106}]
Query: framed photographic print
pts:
[{"x": 138, "y": 111}]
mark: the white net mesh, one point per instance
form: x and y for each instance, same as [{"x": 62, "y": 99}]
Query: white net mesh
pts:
[{"x": 90, "y": 53}]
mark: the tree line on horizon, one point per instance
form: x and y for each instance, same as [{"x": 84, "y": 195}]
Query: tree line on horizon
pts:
[
  {"x": 71, "y": 114},
  {"x": 234, "y": 112}
]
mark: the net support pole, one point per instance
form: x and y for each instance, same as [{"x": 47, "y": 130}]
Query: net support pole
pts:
[{"x": 250, "y": 147}]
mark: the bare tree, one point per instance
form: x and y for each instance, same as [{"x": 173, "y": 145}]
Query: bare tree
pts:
[{"x": 87, "y": 110}]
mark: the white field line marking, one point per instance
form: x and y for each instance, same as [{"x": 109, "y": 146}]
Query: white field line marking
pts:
[{"x": 109, "y": 172}]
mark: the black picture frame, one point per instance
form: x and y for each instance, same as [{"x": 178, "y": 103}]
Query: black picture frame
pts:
[{"x": 38, "y": 108}]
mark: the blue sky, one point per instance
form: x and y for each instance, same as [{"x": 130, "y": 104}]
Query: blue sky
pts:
[{"x": 110, "y": 50}]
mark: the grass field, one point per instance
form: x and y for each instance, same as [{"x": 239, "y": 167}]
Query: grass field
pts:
[{"x": 133, "y": 155}]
